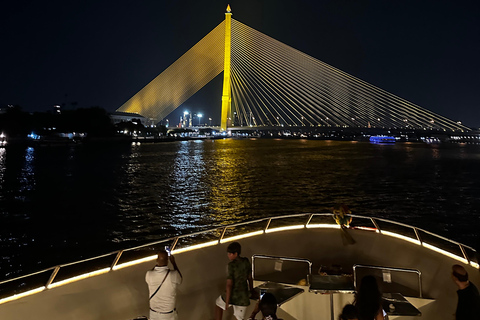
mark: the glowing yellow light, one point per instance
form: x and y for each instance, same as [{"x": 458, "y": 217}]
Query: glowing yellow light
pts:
[
  {"x": 228, "y": 8},
  {"x": 246, "y": 235},
  {"x": 301, "y": 226},
  {"x": 323, "y": 225},
  {"x": 399, "y": 236},
  {"x": 446, "y": 253},
  {"x": 474, "y": 264},
  {"x": 21, "y": 295},
  {"x": 134, "y": 262},
  {"x": 80, "y": 277},
  {"x": 197, "y": 246},
  {"x": 367, "y": 229}
]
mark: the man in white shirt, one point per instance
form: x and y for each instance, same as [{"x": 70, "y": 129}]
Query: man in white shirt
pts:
[{"x": 162, "y": 285}]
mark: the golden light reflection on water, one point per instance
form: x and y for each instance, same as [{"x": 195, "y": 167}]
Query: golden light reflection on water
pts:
[{"x": 226, "y": 202}]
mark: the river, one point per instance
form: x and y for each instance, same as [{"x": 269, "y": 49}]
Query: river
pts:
[{"x": 61, "y": 204}]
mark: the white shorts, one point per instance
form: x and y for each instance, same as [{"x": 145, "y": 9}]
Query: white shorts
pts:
[{"x": 238, "y": 311}]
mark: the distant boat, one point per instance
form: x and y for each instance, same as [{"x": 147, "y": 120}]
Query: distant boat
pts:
[{"x": 382, "y": 139}]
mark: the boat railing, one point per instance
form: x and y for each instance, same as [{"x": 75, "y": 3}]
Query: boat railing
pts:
[
  {"x": 61, "y": 274},
  {"x": 291, "y": 270}
]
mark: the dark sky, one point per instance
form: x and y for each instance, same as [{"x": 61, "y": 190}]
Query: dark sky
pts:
[{"x": 100, "y": 53}]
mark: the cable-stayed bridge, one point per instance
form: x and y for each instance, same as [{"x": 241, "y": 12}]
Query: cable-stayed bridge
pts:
[{"x": 273, "y": 84}]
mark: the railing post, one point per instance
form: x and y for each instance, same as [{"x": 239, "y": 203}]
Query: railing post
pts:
[
  {"x": 52, "y": 276},
  {"x": 417, "y": 234},
  {"x": 223, "y": 233},
  {"x": 464, "y": 253},
  {"x": 309, "y": 219},
  {"x": 115, "y": 261},
  {"x": 268, "y": 224},
  {"x": 174, "y": 244},
  {"x": 376, "y": 225}
]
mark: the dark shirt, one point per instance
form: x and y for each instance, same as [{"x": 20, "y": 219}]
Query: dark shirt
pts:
[
  {"x": 238, "y": 271},
  {"x": 468, "y": 306}
]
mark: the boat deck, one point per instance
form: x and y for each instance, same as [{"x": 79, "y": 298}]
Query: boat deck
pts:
[{"x": 122, "y": 293}]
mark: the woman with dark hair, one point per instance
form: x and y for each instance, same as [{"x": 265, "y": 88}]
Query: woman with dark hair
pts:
[{"x": 368, "y": 300}]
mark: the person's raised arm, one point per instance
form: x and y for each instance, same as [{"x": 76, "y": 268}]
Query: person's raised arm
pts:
[{"x": 175, "y": 267}]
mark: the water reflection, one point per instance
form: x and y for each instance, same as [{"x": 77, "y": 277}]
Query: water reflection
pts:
[
  {"x": 116, "y": 196},
  {"x": 3, "y": 168},
  {"x": 27, "y": 175}
]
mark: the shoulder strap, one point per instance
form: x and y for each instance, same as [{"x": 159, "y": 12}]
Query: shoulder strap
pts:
[{"x": 160, "y": 285}]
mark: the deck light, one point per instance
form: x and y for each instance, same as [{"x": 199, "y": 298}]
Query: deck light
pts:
[
  {"x": 80, "y": 277},
  {"x": 241, "y": 236},
  {"x": 197, "y": 246},
  {"x": 399, "y": 236},
  {"x": 21, "y": 295},
  {"x": 134, "y": 262},
  {"x": 301, "y": 226},
  {"x": 446, "y": 253},
  {"x": 323, "y": 225}
]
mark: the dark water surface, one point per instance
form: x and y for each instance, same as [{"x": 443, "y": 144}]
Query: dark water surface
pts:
[{"x": 60, "y": 204}]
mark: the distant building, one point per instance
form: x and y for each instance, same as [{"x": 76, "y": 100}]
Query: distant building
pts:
[{"x": 118, "y": 117}]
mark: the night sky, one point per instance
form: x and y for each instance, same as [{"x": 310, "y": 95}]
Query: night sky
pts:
[{"x": 100, "y": 53}]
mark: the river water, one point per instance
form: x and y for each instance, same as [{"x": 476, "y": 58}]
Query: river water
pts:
[{"x": 61, "y": 204}]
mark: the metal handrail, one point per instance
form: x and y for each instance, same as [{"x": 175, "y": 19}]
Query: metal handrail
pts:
[
  {"x": 282, "y": 258},
  {"x": 418, "y": 272},
  {"x": 268, "y": 220}
]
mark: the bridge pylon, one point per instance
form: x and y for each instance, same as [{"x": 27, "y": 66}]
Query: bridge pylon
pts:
[{"x": 226, "y": 95}]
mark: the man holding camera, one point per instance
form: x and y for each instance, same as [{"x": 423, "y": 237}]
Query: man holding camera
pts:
[{"x": 162, "y": 285}]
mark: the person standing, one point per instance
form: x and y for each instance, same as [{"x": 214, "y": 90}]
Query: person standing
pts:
[
  {"x": 239, "y": 284},
  {"x": 162, "y": 286},
  {"x": 468, "y": 306}
]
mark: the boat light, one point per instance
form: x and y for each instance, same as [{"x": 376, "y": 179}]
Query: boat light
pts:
[
  {"x": 21, "y": 295},
  {"x": 241, "y": 236},
  {"x": 197, "y": 246},
  {"x": 367, "y": 229},
  {"x": 80, "y": 277},
  {"x": 301, "y": 226},
  {"x": 134, "y": 262},
  {"x": 399, "y": 236},
  {"x": 323, "y": 225},
  {"x": 446, "y": 253}
]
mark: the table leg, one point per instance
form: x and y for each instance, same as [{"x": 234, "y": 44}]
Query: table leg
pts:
[{"x": 331, "y": 306}]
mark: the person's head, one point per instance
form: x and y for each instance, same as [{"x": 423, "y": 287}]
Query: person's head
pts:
[
  {"x": 459, "y": 274},
  {"x": 234, "y": 250},
  {"x": 368, "y": 298},
  {"x": 349, "y": 312},
  {"x": 162, "y": 258},
  {"x": 369, "y": 286},
  {"x": 268, "y": 305}
]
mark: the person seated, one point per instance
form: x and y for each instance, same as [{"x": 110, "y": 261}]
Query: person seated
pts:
[
  {"x": 349, "y": 312},
  {"x": 267, "y": 306}
]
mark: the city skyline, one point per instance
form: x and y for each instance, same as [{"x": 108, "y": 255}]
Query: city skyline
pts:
[{"x": 95, "y": 54}]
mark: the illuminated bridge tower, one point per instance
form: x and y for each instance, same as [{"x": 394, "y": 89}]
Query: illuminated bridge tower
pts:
[{"x": 226, "y": 95}]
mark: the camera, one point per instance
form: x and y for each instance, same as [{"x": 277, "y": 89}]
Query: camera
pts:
[{"x": 167, "y": 248}]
